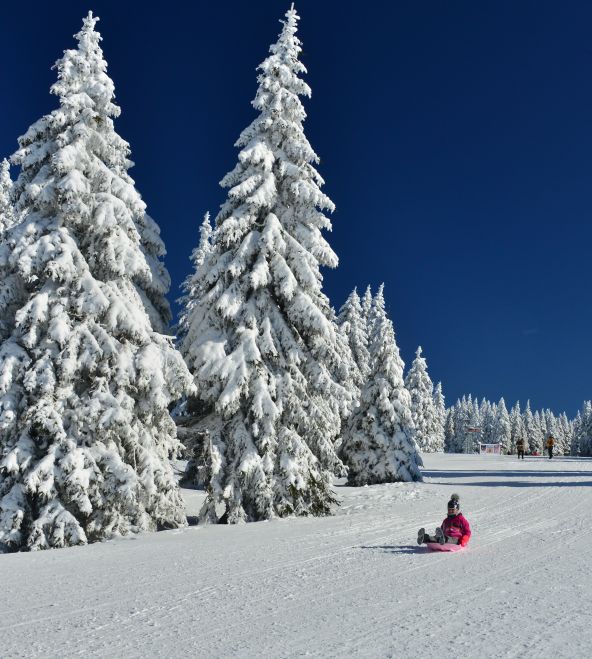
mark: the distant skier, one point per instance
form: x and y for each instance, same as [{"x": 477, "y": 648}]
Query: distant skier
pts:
[
  {"x": 550, "y": 445},
  {"x": 520, "y": 448},
  {"x": 455, "y": 528}
]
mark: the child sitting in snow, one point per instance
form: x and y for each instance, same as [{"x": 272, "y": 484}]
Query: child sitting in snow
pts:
[{"x": 455, "y": 528}]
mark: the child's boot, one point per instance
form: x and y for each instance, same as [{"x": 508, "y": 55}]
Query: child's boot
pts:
[{"x": 440, "y": 536}]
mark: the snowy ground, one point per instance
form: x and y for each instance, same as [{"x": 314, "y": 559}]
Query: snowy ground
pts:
[{"x": 352, "y": 585}]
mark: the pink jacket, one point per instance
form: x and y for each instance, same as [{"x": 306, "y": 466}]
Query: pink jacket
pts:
[{"x": 456, "y": 527}]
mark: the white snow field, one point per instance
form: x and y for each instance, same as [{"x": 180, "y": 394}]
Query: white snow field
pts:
[{"x": 355, "y": 584}]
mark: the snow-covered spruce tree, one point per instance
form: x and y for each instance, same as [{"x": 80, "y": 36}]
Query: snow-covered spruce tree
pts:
[
  {"x": 540, "y": 430},
  {"x": 193, "y": 407},
  {"x": 466, "y": 416},
  {"x": 10, "y": 288},
  {"x": 153, "y": 285},
  {"x": 550, "y": 426},
  {"x": 517, "y": 429},
  {"x": 85, "y": 382},
  {"x": 192, "y": 291},
  {"x": 566, "y": 430},
  {"x": 354, "y": 327},
  {"x": 487, "y": 414},
  {"x": 576, "y": 434},
  {"x": 583, "y": 431},
  {"x": 450, "y": 430},
  {"x": 502, "y": 429},
  {"x": 423, "y": 409},
  {"x": 6, "y": 192},
  {"x": 532, "y": 433},
  {"x": 380, "y": 446},
  {"x": 262, "y": 341},
  {"x": 441, "y": 416},
  {"x": 367, "y": 302}
]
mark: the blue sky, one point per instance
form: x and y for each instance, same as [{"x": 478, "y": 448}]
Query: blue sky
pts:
[{"x": 455, "y": 139}]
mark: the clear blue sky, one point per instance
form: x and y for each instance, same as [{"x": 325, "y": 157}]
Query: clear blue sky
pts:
[{"x": 455, "y": 139}]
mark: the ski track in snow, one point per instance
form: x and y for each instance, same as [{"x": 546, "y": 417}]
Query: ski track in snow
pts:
[{"x": 355, "y": 584}]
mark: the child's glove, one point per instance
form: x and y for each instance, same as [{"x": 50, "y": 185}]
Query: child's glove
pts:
[{"x": 464, "y": 540}]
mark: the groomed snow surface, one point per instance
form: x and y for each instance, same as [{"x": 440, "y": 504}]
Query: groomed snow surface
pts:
[{"x": 355, "y": 584}]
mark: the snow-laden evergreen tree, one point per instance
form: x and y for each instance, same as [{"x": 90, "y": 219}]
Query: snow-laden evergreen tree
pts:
[
  {"x": 367, "y": 302},
  {"x": 502, "y": 427},
  {"x": 192, "y": 284},
  {"x": 567, "y": 432},
  {"x": 354, "y": 326},
  {"x": 262, "y": 340},
  {"x": 517, "y": 429},
  {"x": 440, "y": 405},
  {"x": 576, "y": 435},
  {"x": 467, "y": 418},
  {"x": 450, "y": 430},
  {"x": 85, "y": 382},
  {"x": 423, "y": 409},
  {"x": 488, "y": 415},
  {"x": 153, "y": 285},
  {"x": 6, "y": 205},
  {"x": 10, "y": 286},
  {"x": 192, "y": 409},
  {"x": 380, "y": 446},
  {"x": 461, "y": 419},
  {"x": 532, "y": 432},
  {"x": 551, "y": 427},
  {"x": 582, "y": 431},
  {"x": 540, "y": 431}
]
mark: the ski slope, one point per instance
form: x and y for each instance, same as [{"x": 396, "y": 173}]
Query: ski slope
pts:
[{"x": 355, "y": 584}]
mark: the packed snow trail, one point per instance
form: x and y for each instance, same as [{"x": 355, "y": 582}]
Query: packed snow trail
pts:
[{"x": 355, "y": 584}]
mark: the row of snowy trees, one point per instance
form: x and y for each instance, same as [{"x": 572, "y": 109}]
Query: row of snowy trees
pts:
[
  {"x": 422, "y": 406},
  {"x": 88, "y": 371},
  {"x": 379, "y": 437},
  {"x": 497, "y": 425}
]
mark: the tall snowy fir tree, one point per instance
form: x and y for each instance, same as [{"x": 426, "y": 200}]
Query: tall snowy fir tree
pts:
[
  {"x": 487, "y": 415},
  {"x": 154, "y": 284},
  {"x": 440, "y": 405},
  {"x": 191, "y": 286},
  {"x": 567, "y": 432},
  {"x": 582, "y": 435},
  {"x": 367, "y": 301},
  {"x": 540, "y": 430},
  {"x": 423, "y": 409},
  {"x": 192, "y": 292},
  {"x": 380, "y": 446},
  {"x": 455, "y": 423},
  {"x": 450, "y": 430},
  {"x": 502, "y": 427},
  {"x": 10, "y": 288},
  {"x": 531, "y": 431},
  {"x": 85, "y": 382},
  {"x": 517, "y": 429},
  {"x": 262, "y": 340},
  {"x": 6, "y": 192},
  {"x": 353, "y": 324}
]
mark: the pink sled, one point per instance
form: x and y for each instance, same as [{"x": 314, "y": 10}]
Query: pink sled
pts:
[{"x": 436, "y": 546}]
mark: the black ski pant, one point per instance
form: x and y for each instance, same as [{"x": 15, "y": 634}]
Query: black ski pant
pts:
[
  {"x": 550, "y": 449},
  {"x": 520, "y": 455},
  {"x": 432, "y": 538}
]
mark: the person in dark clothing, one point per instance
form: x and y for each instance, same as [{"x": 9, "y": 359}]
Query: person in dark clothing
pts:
[
  {"x": 520, "y": 448},
  {"x": 550, "y": 445}
]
